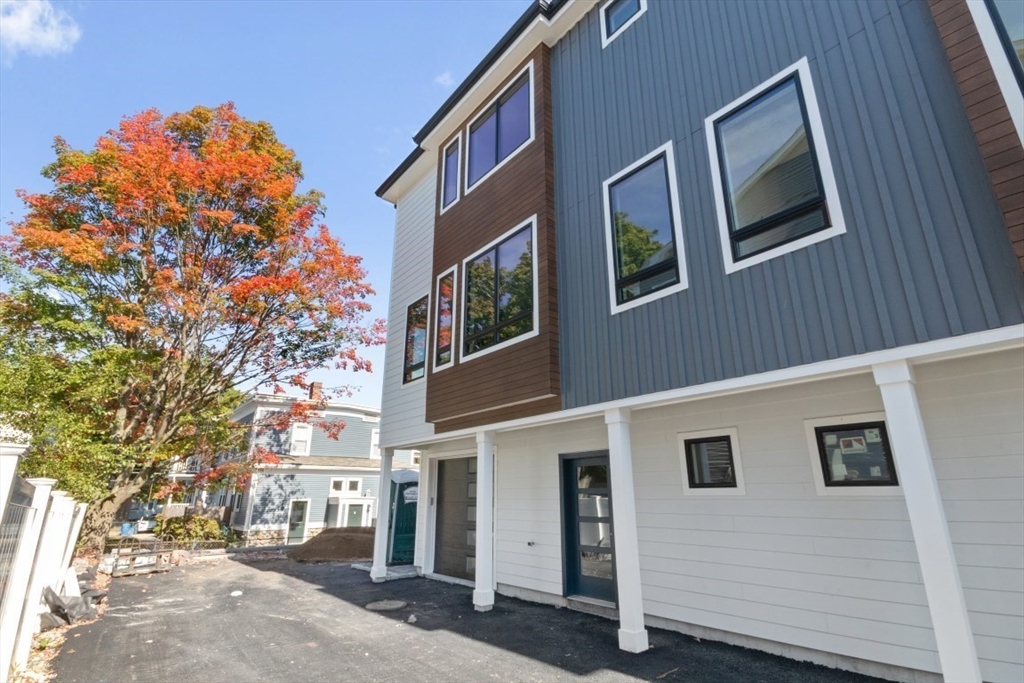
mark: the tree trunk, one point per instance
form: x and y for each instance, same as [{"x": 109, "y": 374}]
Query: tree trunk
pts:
[{"x": 99, "y": 517}]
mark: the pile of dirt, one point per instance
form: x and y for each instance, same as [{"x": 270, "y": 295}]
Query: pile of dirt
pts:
[{"x": 343, "y": 544}]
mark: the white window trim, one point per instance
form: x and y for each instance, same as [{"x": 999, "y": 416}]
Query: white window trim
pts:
[
  {"x": 405, "y": 334},
  {"x": 677, "y": 230},
  {"x": 454, "y": 270},
  {"x": 532, "y": 222},
  {"x": 309, "y": 438},
  {"x": 342, "y": 513},
  {"x": 457, "y": 140},
  {"x": 821, "y": 145},
  {"x": 375, "y": 444},
  {"x": 737, "y": 462},
  {"x": 605, "y": 38},
  {"x": 305, "y": 523},
  {"x": 528, "y": 68},
  {"x": 846, "y": 491},
  {"x": 1001, "y": 66},
  {"x": 344, "y": 492}
]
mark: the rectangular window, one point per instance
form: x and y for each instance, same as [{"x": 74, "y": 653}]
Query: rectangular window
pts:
[
  {"x": 499, "y": 291},
  {"x": 302, "y": 435},
  {"x": 644, "y": 233},
  {"x": 375, "y": 444},
  {"x": 501, "y": 129},
  {"x": 415, "y": 340},
  {"x": 771, "y": 172},
  {"x": 347, "y": 486},
  {"x": 856, "y": 455},
  {"x": 711, "y": 462},
  {"x": 450, "y": 174},
  {"x": 445, "y": 298},
  {"x": 1008, "y": 17},
  {"x": 617, "y": 15}
]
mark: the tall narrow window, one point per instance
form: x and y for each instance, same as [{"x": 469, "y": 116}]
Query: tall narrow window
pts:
[
  {"x": 445, "y": 316},
  {"x": 499, "y": 292},
  {"x": 450, "y": 175},
  {"x": 302, "y": 437},
  {"x": 502, "y": 128},
  {"x": 642, "y": 217},
  {"x": 415, "y": 340},
  {"x": 773, "y": 179}
]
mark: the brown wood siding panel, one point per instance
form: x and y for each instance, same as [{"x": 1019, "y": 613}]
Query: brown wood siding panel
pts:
[
  {"x": 997, "y": 137},
  {"x": 521, "y": 188}
]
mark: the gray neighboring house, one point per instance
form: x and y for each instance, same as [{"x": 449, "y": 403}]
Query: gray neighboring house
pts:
[{"x": 319, "y": 482}]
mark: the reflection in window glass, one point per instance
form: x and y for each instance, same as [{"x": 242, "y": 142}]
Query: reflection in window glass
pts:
[
  {"x": 1009, "y": 16},
  {"x": 451, "y": 175},
  {"x": 856, "y": 455},
  {"x": 770, "y": 175},
  {"x": 594, "y": 505},
  {"x": 592, "y": 477},
  {"x": 499, "y": 292},
  {"x": 596, "y": 534},
  {"x": 500, "y": 131},
  {"x": 415, "y": 340},
  {"x": 709, "y": 463},
  {"x": 617, "y": 13},
  {"x": 444, "y": 319},
  {"x": 645, "y": 250}
]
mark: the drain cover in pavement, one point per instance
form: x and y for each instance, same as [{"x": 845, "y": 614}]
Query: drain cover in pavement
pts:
[{"x": 385, "y": 605}]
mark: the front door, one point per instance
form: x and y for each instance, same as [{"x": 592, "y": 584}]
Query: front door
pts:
[
  {"x": 354, "y": 516},
  {"x": 297, "y": 521},
  {"x": 589, "y": 537},
  {"x": 455, "y": 523}
]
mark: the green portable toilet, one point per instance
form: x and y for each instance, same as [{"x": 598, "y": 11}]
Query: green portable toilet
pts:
[{"x": 405, "y": 488}]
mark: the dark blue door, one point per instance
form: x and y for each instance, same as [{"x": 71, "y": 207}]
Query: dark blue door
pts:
[{"x": 588, "y": 533}]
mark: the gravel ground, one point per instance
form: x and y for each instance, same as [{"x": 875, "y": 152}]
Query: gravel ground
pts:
[{"x": 279, "y": 620}]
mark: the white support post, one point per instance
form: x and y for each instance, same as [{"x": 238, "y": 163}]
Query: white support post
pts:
[
  {"x": 78, "y": 517},
  {"x": 21, "y": 573},
  {"x": 632, "y": 633},
  {"x": 483, "y": 595},
  {"x": 379, "y": 570},
  {"x": 953, "y": 635}
]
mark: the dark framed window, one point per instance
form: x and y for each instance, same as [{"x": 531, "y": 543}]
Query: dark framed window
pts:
[
  {"x": 445, "y": 303},
  {"x": 709, "y": 463},
  {"x": 1008, "y": 17},
  {"x": 500, "y": 130},
  {"x": 771, "y": 179},
  {"x": 450, "y": 174},
  {"x": 415, "y": 340},
  {"x": 617, "y": 15},
  {"x": 499, "y": 292},
  {"x": 643, "y": 229},
  {"x": 856, "y": 455}
]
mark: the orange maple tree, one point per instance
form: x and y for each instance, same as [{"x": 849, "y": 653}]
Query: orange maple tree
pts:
[{"x": 180, "y": 252}]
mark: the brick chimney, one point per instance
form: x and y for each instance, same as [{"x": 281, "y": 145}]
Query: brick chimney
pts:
[{"x": 316, "y": 391}]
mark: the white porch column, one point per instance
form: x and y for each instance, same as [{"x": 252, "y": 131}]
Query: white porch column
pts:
[
  {"x": 957, "y": 654},
  {"x": 46, "y": 500},
  {"x": 632, "y": 634},
  {"x": 483, "y": 596},
  {"x": 379, "y": 571}
]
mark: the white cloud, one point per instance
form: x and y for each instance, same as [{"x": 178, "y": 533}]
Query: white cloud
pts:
[
  {"x": 445, "y": 80},
  {"x": 34, "y": 27}
]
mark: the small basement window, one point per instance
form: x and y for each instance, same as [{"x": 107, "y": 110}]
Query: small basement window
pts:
[
  {"x": 415, "y": 340},
  {"x": 617, "y": 16},
  {"x": 856, "y": 455},
  {"x": 711, "y": 463},
  {"x": 774, "y": 187}
]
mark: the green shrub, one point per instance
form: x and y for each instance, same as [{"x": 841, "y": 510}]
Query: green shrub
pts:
[{"x": 189, "y": 529}]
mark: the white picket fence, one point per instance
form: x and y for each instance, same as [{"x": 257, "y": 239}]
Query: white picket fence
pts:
[{"x": 38, "y": 531}]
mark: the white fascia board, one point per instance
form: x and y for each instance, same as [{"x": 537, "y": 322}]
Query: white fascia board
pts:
[{"x": 989, "y": 341}]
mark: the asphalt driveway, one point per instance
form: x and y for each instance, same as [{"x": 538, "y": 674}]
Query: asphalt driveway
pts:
[{"x": 308, "y": 622}]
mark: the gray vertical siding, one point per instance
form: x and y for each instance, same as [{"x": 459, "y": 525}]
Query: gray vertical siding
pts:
[{"x": 925, "y": 256}]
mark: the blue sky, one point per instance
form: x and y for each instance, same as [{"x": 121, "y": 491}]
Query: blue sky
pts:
[{"x": 345, "y": 84}]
